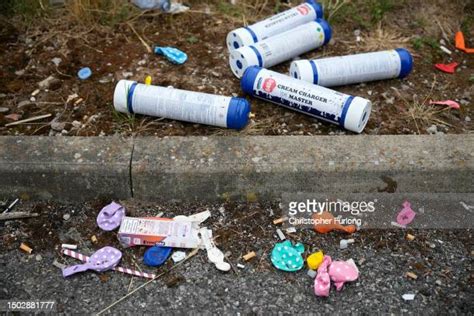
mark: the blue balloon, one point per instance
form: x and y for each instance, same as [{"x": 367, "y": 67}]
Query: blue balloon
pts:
[
  {"x": 156, "y": 256},
  {"x": 174, "y": 55}
]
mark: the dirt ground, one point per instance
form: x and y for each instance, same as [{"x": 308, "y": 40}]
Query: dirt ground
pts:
[{"x": 107, "y": 44}]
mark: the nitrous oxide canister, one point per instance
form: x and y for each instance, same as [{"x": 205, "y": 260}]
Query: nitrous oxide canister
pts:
[
  {"x": 338, "y": 71},
  {"x": 279, "y": 23},
  {"x": 281, "y": 47},
  {"x": 347, "y": 111},
  {"x": 132, "y": 97}
]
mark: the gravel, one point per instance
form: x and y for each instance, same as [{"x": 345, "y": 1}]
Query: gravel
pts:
[{"x": 383, "y": 257}]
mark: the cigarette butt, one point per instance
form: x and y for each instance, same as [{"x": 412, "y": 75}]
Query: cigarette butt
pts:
[
  {"x": 240, "y": 266},
  {"x": 280, "y": 234},
  {"x": 279, "y": 220},
  {"x": 78, "y": 101},
  {"x": 251, "y": 115},
  {"x": 94, "y": 239},
  {"x": 69, "y": 246},
  {"x": 411, "y": 275},
  {"x": 410, "y": 237},
  {"x": 26, "y": 248},
  {"x": 249, "y": 256}
]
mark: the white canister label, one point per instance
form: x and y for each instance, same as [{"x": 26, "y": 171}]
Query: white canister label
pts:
[
  {"x": 279, "y": 48},
  {"x": 337, "y": 71},
  {"x": 283, "y": 21},
  {"x": 301, "y": 96},
  {"x": 178, "y": 104}
]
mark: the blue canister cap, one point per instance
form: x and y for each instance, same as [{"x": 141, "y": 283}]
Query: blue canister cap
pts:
[
  {"x": 248, "y": 79},
  {"x": 84, "y": 73},
  {"x": 406, "y": 62},
  {"x": 155, "y": 256},
  {"x": 327, "y": 30},
  {"x": 238, "y": 113},
  {"x": 317, "y": 7}
]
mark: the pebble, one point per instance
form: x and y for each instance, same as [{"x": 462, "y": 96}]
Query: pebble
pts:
[
  {"x": 38, "y": 258},
  {"x": 127, "y": 74},
  {"x": 58, "y": 126},
  {"x": 56, "y": 61},
  {"x": 24, "y": 103},
  {"x": 77, "y": 155},
  {"x": 66, "y": 217},
  {"x": 433, "y": 129},
  {"x": 20, "y": 72},
  {"x": 467, "y": 119},
  {"x": 4, "y": 110},
  {"x": 2, "y": 95}
]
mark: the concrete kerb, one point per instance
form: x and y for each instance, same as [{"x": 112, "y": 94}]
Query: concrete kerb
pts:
[
  {"x": 65, "y": 168},
  {"x": 223, "y": 168}
]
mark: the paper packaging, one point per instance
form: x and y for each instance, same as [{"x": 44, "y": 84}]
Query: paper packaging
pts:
[{"x": 135, "y": 231}]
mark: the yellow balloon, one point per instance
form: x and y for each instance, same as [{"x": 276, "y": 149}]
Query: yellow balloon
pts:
[
  {"x": 148, "y": 80},
  {"x": 314, "y": 260}
]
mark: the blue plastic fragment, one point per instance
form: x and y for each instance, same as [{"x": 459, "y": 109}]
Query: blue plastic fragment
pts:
[
  {"x": 174, "y": 55},
  {"x": 84, "y": 73},
  {"x": 156, "y": 256}
]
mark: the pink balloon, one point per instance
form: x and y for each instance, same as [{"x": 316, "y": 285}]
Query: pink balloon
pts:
[
  {"x": 406, "y": 215},
  {"x": 322, "y": 282},
  {"x": 342, "y": 272}
]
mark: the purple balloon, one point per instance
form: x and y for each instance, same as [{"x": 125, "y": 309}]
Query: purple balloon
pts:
[
  {"x": 102, "y": 260},
  {"x": 110, "y": 216}
]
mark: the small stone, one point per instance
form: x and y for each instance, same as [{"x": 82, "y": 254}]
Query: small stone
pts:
[
  {"x": 77, "y": 155},
  {"x": 20, "y": 72},
  {"x": 58, "y": 126},
  {"x": 2, "y": 95},
  {"x": 38, "y": 257},
  {"x": 56, "y": 61},
  {"x": 66, "y": 217},
  {"x": 4, "y": 110},
  {"x": 142, "y": 62},
  {"x": 24, "y": 103},
  {"x": 76, "y": 124},
  {"x": 127, "y": 74},
  {"x": 467, "y": 119},
  {"x": 433, "y": 129},
  {"x": 33, "y": 99},
  {"x": 438, "y": 282}
]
